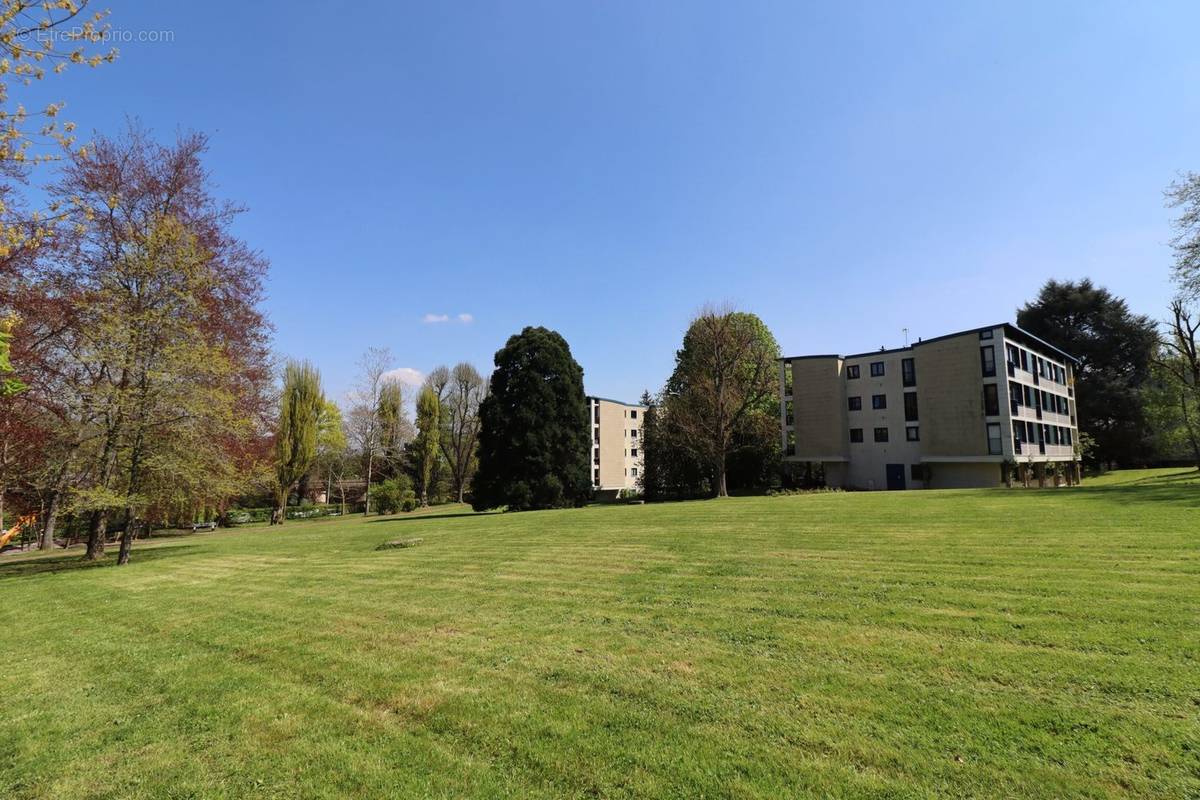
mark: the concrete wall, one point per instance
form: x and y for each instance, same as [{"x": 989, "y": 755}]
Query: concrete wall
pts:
[
  {"x": 819, "y": 407},
  {"x": 950, "y": 394}
]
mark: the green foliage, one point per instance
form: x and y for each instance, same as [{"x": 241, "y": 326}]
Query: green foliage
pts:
[
  {"x": 301, "y": 406},
  {"x": 1114, "y": 348},
  {"x": 427, "y": 445},
  {"x": 716, "y": 426},
  {"x": 8, "y": 386},
  {"x": 394, "y": 495},
  {"x": 534, "y": 440}
]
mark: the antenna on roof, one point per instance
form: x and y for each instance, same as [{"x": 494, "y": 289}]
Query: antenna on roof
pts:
[{"x": 905, "y": 337}]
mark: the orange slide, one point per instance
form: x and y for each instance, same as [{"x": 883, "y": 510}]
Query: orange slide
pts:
[{"x": 6, "y": 536}]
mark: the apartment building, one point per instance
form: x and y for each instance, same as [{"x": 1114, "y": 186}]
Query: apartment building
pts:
[
  {"x": 968, "y": 409},
  {"x": 616, "y": 450}
]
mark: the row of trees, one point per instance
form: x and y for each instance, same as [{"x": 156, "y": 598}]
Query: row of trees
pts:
[{"x": 374, "y": 442}]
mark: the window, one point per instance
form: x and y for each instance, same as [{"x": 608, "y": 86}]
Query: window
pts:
[
  {"x": 881, "y": 434},
  {"x": 633, "y": 414},
  {"x": 789, "y": 413},
  {"x": 1013, "y": 354},
  {"x": 597, "y": 436},
  {"x": 633, "y": 452},
  {"x": 790, "y": 447},
  {"x": 876, "y": 369},
  {"x": 856, "y": 435},
  {"x": 596, "y": 478},
  {"x": 633, "y": 472},
  {"x": 985, "y": 334},
  {"x": 912, "y": 433},
  {"x": 1014, "y": 395},
  {"x": 991, "y": 400},
  {"x": 910, "y": 406},
  {"x": 633, "y": 434},
  {"x": 878, "y": 401},
  {"x": 787, "y": 377},
  {"x": 855, "y": 403},
  {"x": 908, "y": 369},
  {"x": 597, "y": 417},
  {"x": 1025, "y": 360},
  {"x": 852, "y": 372},
  {"x": 1028, "y": 392},
  {"x": 988, "y": 356},
  {"x": 917, "y": 471},
  {"x": 993, "y": 434},
  {"x": 1067, "y": 431}
]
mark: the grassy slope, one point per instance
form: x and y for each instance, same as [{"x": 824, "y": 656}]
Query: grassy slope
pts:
[{"x": 989, "y": 643}]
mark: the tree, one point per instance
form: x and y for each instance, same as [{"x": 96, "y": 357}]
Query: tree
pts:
[
  {"x": 331, "y": 444},
  {"x": 1114, "y": 348},
  {"x": 464, "y": 392},
  {"x": 533, "y": 439},
  {"x": 427, "y": 443},
  {"x": 145, "y": 349},
  {"x": 1184, "y": 194},
  {"x": 376, "y": 425},
  {"x": 722, "y": 398},
  {"x": 1176, "y": 406},
  {"x": 296, "y": 439}
]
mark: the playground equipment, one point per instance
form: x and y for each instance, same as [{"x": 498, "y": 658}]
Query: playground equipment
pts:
[{"x": 6, "y": 536}]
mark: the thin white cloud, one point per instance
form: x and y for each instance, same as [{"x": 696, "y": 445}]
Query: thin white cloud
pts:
[
  {"x": 466, "y": 319},
  {"x": 433, "y": 319},
  {"x": 406, "y": 375}
]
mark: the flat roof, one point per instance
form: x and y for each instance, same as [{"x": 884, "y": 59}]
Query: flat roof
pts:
[
  {"x": 610, "y": 400},
  {"x": 1008, "y": 326}
]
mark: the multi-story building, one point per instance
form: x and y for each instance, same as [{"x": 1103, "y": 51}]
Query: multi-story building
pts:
[
  {"x": 616, "y": 446},
  {"x": 968, "y": 409}
]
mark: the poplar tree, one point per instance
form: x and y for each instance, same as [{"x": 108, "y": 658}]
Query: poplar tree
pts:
[
  {"x": 428, "y": 439},
  {"x": 300, "y": 409}
]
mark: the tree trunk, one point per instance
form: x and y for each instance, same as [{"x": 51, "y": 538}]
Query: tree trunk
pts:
[
  {"x": 126, "y": 542},
  {"x": 99, "y": 529},
  {"x": 722, "y": 491},
  {"x": 367, "y": 491},
  {"x": 47, "y": 540}
]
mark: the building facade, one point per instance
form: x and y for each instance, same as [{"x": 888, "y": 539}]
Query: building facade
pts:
[
  {"x": 616, "y": 444},
  {"x": 968, "y": 409}
]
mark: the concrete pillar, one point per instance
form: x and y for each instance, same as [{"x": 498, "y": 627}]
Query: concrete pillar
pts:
[
  {"x": 1078, "y": 467},
  {"x": 1025, "y": 475}
]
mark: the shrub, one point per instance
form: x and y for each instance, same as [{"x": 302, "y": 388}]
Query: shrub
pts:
[{"x": 394, "y": 494}]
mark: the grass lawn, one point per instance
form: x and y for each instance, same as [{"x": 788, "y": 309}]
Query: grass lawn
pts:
[{"x": 922, "y": 644}]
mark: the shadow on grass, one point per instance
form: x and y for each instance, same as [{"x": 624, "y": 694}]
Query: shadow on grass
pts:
[
  {"x": 1176, "y": 488},
  {"x": 422, "y": 517},
  {"x": 73, "y": 562}
]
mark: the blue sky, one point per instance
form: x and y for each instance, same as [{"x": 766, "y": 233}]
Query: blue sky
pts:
[{"x": 843, "y": 170}]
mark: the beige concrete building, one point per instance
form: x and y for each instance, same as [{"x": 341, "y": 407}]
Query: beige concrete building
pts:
[
  {"x": 964, "y": 410},
  {"x": 616, "y": 444}
]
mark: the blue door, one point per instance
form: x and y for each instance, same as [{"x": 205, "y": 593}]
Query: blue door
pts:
[{"x": 895, "y": 476}]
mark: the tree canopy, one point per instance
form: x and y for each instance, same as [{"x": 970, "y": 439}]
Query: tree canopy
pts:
[{"x": 533, "y": 440}]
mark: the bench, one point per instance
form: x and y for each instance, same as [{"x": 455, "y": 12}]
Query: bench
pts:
[{"x": 203, "y": 526}]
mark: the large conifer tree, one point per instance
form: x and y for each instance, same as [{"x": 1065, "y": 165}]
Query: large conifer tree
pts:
[{"x": 533, "y": 442}]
